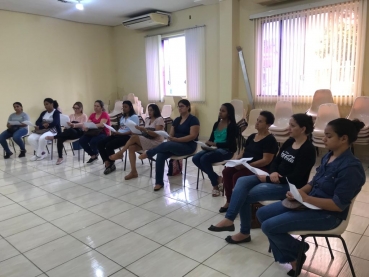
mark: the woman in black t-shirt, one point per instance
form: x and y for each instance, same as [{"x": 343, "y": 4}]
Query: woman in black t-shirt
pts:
[
  {"x": 261, "y": 146},
  {"x": 293, "y": 162}
]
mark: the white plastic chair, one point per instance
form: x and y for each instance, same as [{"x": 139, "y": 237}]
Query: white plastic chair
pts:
[
  {"x": 326, "y": 113},
  {"x": 239, "y": 109},
  {"x": 117, "y": 108},
  {"x": 166, "y": 112},
  {"x": 253, "y": 116},
  {"x": 360, "y": 110},
  {"x": 283, "y": 113},
  {"x": 321, "y": 96},
  {"x": 12, "y": 143}
]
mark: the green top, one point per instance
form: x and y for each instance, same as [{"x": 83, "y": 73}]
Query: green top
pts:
[{"x": 220, "y": 136}]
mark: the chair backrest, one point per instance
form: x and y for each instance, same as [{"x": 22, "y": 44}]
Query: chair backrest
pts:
[
  {"x": 283, "y": 112},
  {"x": 321, "y": 96},
  {"x": 326, "y": 112},
  {"x": 166, "y": 111},
  {"x": 118, "y": 106},
  {"x": 360, "y": 110},
  {"x": 238, "y": 108},
  {"x": 253, "y": 116},
  {"x": 131, "y": 97},
  {"x": 64, "y": 119}
]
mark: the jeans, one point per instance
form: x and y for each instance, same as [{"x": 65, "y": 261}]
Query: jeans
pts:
[
  {"x": 68, "y": 134},
  {"x": 38, "y": 142},
  {"x": 204, "y": 159},
  {"x": 17, "y": 137},
  {"x": 277, "y": 220},
  {"x": 107, "y": 146},
  {"x": 89, "y": 144},
  {"x": 164, "y": 151},
  {"x": 249, "y": 190}
]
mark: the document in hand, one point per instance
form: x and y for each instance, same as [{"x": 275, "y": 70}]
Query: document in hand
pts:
[
  {"x": 298, "y": 197},
  {"x": 233, "y": 163},
  {"x": 255, "y": 170},
  {"x": 109, "y": 127},
  {"x": 132, "y": 126},
  {"x": 162, "y": 133},
  {"x": 204, "y": 146},
  {"x": 14, "y": 123},
  {"x": 29, "y": 123},
  {"x": 90, "y": 125}
]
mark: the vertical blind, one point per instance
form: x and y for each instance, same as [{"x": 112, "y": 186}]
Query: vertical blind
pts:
[{"x": 300, "y": 52}]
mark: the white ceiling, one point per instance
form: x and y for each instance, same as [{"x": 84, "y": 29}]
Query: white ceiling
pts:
[{"x": 102, "y": 12}]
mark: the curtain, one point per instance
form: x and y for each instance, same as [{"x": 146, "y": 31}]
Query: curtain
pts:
[
  {"x": 195, "y": 59},
  {"x": 300, "y": 52},
  {"x": 154, "y": 69}
]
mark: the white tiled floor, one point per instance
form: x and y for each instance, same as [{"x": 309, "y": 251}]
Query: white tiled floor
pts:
[{"x": 71, "y": 220}]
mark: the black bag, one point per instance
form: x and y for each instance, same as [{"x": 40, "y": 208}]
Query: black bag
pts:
[
  {"x": 13, "y": 128},
  {"x": 255, "y": 224},
  {"x": 93, "y": 132},
  {"x": 175, "y": 167},
  {"x": 146, "y": 135}
]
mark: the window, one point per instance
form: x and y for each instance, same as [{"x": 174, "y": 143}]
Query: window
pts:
[
  {"x": 300, "y": 52},
  {"x": 174, "y": 52}
]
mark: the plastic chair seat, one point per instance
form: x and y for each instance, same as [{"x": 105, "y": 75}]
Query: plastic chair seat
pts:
[{"x": 268, "y": 202}]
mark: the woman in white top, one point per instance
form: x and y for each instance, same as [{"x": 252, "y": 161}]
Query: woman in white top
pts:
[
  {"x": 73, "y": 131},
  {"x": 48, "y": 124},
  {"x": 15, "y": 131},
  {"x": 149, "y": 139}
]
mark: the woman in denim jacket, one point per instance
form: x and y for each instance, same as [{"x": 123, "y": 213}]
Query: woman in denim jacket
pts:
[{"x": 338, "y": 180}]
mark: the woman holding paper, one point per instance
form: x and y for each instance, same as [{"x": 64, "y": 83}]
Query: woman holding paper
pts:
[
  {"x": 118, "y": 138},
  {"x": 149, "y": 139},
  {"x": 294, "y": 161},
  {"x": 183, "y": 134},
  {"x": 261, "y": 147},
  {"x": 72, "y": 131},
  {"x": 16, "y": 130},
  {"x": 337, "y": 182},
  {"x": 48, "y": 124},
  {"x": 223, "y": 137},
  {"x": 89, "y": 142}
]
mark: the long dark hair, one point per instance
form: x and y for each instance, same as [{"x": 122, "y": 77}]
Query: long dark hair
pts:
[
  {"x": 343, "y": 126},
  {"x": 52, "y": 101},
  {"x": 304, "y": 120},
  {"x": 156, "y": 110},
  {"x": 101, "y": 103},
  {"x": 231, "y": 112},
  {"x": 186, "y": 103},
  {"x": 131, "y": 109}
]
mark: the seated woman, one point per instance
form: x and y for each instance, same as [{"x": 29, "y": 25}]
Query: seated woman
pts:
[
  {"x": 117, "y": 139},
  {"x": 148, "y": 140},
  {"x": 223, "y": 136},
  {"x": 73, "y": 132},
  {"x": 183, "y": 134},
  {"x": 15, "y": 131},
  {"x": 338, "y": 180},
  {"x": 90, "y": 140},
  {"x": 261, "y": 147},
  {"x": 293, "y": 162},
  {"x": 48, "y": 124}
]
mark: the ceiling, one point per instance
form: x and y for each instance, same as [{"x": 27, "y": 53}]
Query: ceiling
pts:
[{"x": 102, "y": 12}]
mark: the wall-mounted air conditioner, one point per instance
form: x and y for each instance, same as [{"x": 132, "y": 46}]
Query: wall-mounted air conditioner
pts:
[{"x": 147, "y": 21}]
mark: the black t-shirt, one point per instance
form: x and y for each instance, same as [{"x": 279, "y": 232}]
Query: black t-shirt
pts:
[
  {"x": 256, "y": 150},
  {"x": 288, "y": 157},
  {"x": 182, "y": 130}
]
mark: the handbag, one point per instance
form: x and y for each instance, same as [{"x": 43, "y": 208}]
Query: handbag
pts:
[
  {"x": 12, "y": 129},
  {"x": 43, "y": 131},
  {"x": 255, "y": 223},
  {"x": 175, "y": 167},
  {"x": 293, "y": 205},
  {"x": 146, "y": 135},
  {"x": 93, "y": 132}
]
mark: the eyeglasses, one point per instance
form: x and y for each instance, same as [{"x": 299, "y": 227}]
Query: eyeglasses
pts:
[
  {"x": 76, "y": 108},
  {"x": 181, "y": 106}
]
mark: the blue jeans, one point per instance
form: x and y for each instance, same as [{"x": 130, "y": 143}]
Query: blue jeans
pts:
[
  {"x": 204, "y": 159},
  {"x": 89, "y": 144},
  {"x": 277, "y": 220},
  {"x": 17, "y": 137},
  {"x": 249, "y": 190},
  {"x": 164, "y": 151}
]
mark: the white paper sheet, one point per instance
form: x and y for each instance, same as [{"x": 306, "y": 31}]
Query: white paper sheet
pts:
[
  {"x": 233, "y": 163},
  {"x": 90, "y": 125},
  {"x": 29, "y": 123},
  {"x": 298, "y": 197},
  {"x": 132, "y": 126},
  {"x": 110, "y": 128},
  {"x": 14, "y": 123},
  {"x": 202, "y": 144},
  {"x": 162, "y": 133},
  {"x": 255, "y": 170}
]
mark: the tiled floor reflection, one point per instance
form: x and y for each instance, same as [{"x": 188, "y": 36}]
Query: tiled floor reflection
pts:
[{"x": 71, "y": 220}]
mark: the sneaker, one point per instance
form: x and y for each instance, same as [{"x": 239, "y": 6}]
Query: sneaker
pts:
[
  {"x": 22, "y": 154},
  {"x": 110, "y": 169},
  {"x": 91, "y": 160},
  {"x": 33, "y": 158},
  {"x": 43, "y": 156},
  {"x": 59, "y": 161},
  {"x": 7, "y": 155}
]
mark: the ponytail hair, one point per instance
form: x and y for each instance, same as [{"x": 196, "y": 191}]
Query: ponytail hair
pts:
[
  {"x": 55, "y": 104},
  {"x": 304, "y": 120},
  {"x": 343, "y": 126}
]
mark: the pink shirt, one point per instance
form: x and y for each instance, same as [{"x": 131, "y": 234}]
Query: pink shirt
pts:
[{"x": 104, "y": 115}]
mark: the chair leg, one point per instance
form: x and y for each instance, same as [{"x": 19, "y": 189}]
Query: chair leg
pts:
[
  {"x": 316, "y": 244},
  {"x": 202, "y": 173},
  {"x": 198, "y": 176},
  {"x": 47, "y": 148},
  {"x": 329, "y": 247},
  {"x": 71, "y": 147},
  {"x": 13, "y": 146},
  {"x": 83, "y": 156},
  {"x": 299, "y": 257},
  {"x": 348, "y": 256},
  {"x": 52, "y": 151},
  {"x": 150, "y": 162},
  {"x": 184, "y": 180},
  {"x": 125, "y": 161},
  {"x": 270, "y": 249}
]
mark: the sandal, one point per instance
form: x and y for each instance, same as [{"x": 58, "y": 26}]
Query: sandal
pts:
[
  {"x": 117, "y": 156},
  {"x": 59, "y": 161},
  {"x": 158, "y": 187},
  {"x": 215, "y": 193}
]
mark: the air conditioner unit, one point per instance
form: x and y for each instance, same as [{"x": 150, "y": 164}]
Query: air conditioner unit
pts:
[
  {"x": 271, "y": 2},
  {"x": 147, "y": 21}
]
